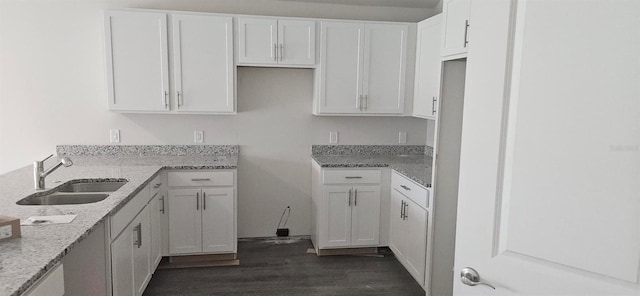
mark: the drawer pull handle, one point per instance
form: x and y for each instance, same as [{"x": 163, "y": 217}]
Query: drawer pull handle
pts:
[
  {"x": 200, "y": 179},
  {"x": 353, "y": 177},
  {"x": 157, "y": 186},
  {"x": 405, "y": 187}
]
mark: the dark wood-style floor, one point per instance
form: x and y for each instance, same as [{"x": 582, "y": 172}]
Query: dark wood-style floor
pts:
[{"x": 283, "y": 267}]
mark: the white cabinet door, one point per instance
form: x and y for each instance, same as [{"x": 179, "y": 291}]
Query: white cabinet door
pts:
[
  {"x": 385, "y": 59},
  {"x": 155, "y": 224},
  {"x": 185, "y": 222},
  {"x": 218, "y": 220},
  {"x": 257, "y": 40},
  {"x": 398, "y": 233},
  {"x": 341, "y": 58},
  {"x": 122, "y": 263},
  {"x": 416, "y": 248},
  {"x": 336, "y": 216},
  {"x": 137, "y": 61},
  {"x": 428, "y": 68},
  {"x": 297, "y": 41},
  {"x": 365, "y": 216},
  {"x": 142, "y": 252},
  {"x": 203, "y": 63},
  {"x": 456, "y": 28}
]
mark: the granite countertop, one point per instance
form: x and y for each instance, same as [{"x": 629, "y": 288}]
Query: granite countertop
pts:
[
  {"x": 415, "y": 167},
  {"x": 24, "y": 260}
]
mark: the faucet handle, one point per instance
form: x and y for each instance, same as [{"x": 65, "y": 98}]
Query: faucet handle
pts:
[{"x": 47, "y": 158}]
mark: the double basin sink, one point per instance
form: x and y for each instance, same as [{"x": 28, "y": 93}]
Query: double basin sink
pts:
[{"x": 81, "y": 191}]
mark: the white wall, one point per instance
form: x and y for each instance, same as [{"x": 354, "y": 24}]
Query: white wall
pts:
[{"x": 52, "y": 91}]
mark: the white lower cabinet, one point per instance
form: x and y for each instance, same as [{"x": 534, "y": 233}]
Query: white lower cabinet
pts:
[
  {"x": 155, "y": 212},
  {"x": 131, "y": 257},
  {"x": 202, "y": 220},
  {"x": 135, "y": 241},
  {"x": 346, "y": 208},
  {"x": 409, "y": 221},
  {"x": 51, "y": 284}
]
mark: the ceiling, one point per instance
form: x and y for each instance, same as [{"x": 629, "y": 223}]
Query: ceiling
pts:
[{"x": 388, "y": 3}]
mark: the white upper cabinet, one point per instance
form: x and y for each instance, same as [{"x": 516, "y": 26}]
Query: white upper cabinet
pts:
[
  {"x": 455, "y": 39},
  {"x": 428, "y": 68},
  {"x": 137, "y": 61},
  {"x": 341, "y": 57},
  {"x": 138, "y": 54},
  {"x": 203, "y": 63},
  {"x": 362, "y": 69},
  {"x": 268, "y": 41}
]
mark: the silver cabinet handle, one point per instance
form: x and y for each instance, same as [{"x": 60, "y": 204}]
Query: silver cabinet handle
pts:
[
  {"x": 165, "y": 102},
  {"x": 353, "y": 177},
  {"x": 466, "y": 31},
  {"x": 355, "y": 198},
  {"x": 471, "y": 277},
  {"x": 275, "y": 52},
  {"x": 198, "y": 201},
  {"x": 433, "y": 106},
  {"x": 200, "y": 179},
  {"x": 281, "y": 51},
  {"x": 138, "y": 230},
  {"x": 162, "y": 209},
  {"x": 405, "y": 188},
  {"x": 204, "y": 201},
  {"x": 349, "y": 199},
  {"x": 139, "y": 235},
  {"x": 406, "y": 206},
  {"x": 365, "y": 105},
  {"x": 179, "y": 96},
  {"x": 359, "y": 103},
  {"x": 402, "y": 210}
]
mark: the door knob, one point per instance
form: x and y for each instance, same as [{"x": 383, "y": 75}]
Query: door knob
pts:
[{"x": 471, "y": 277}]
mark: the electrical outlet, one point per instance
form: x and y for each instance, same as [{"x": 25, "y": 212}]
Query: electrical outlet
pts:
[
  {"x": 333, "y": 137},
  {"x": 402, "y": 137},
  {"x": 198, "y": 136},
  {"x": 114, "y": 136}
]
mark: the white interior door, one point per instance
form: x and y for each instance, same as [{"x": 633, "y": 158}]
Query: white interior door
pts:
[
  {"x": 550, "y": 159},
  {"x": 203, "y": 63}
]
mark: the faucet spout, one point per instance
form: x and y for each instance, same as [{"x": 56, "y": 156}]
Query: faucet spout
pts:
[{"x": 39, "y": 174}]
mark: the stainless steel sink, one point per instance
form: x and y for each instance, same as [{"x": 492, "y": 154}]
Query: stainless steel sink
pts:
[
  {"x": 58, "y": 198},
  {"x": 81, "y": 191},
  {"x": 105, "y": 186}
]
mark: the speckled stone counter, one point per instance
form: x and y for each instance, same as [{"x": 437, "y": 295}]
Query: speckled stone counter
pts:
[
  {"x": 410, "y": 161},
  {"x": 24, "y": 260}
]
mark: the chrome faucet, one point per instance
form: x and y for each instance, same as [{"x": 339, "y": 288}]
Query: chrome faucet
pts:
[{"x": 39, "y": 173}]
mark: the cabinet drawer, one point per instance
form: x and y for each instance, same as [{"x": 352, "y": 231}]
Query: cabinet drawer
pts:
[
  {"x": 410, "y": 189},
  {"x": 351, "y": 176},
  {"x": 154, "y": 186},
  {"x": 200, "y": 179}
]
